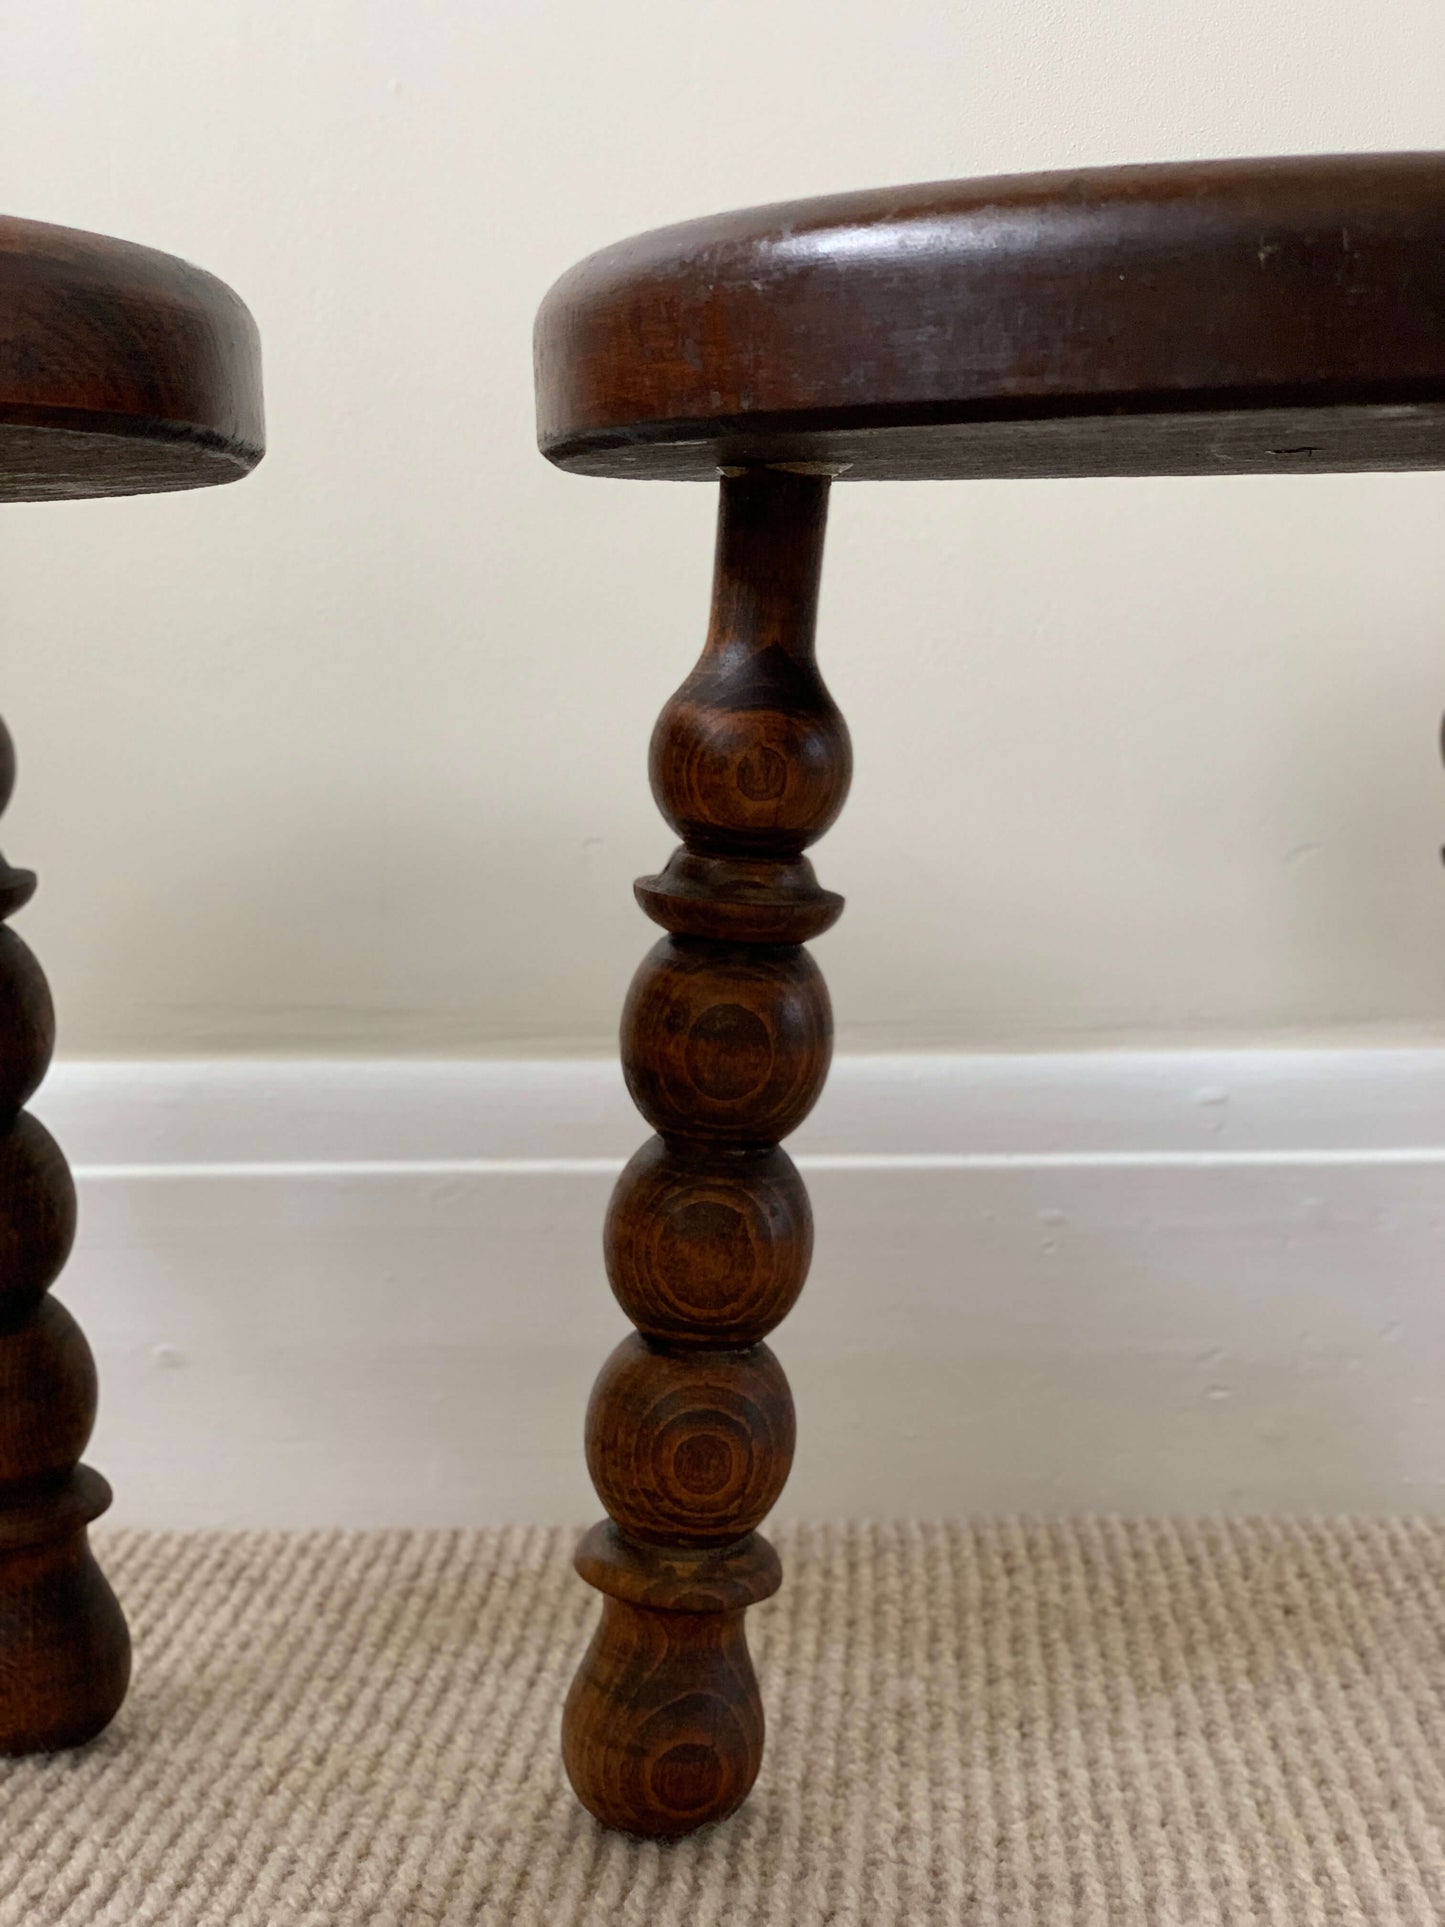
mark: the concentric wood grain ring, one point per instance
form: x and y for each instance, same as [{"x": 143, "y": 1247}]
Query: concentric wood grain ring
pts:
[
  {"x": 689, "y": 1448},
  {"x": 726, "y": 1040},
  {"x": 708, "y": 1248}
]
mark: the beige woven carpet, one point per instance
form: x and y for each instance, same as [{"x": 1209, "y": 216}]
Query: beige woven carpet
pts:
[{"x": 1095, "y": 1722}]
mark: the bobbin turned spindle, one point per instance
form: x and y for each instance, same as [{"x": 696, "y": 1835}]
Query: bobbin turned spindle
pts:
[
  {"x": 725, "y": 1044},
  {"x": 64, "y": 1651},
  {"x": 122, "y": 372}
]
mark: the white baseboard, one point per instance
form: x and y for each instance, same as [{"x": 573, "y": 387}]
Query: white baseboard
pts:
[{"x": 371, "y": 1293}]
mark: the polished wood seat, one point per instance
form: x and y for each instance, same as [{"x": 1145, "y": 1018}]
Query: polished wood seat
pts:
[
  {"x": 1217, "y": 317},
  {"x": 122, "y": 372},
  {"x": 1275, "y": 316}
]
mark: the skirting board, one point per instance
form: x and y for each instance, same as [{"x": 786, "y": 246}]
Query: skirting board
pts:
[{"x": 370, "y": 1293}]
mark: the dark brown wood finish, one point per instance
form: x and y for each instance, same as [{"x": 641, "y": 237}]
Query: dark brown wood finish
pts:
[
  {"x": 121, "y": 372},
  {"x": 1202, "y": 318},
  {"x": 1211, "y": 318},
  {"x": 725, "y": 1042},
  {"x": 64, "y": 1650}
]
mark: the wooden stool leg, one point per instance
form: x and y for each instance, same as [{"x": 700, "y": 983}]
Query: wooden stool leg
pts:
[
  {"x": 64, "y": 1649},
  {"x": 725, "y": 1043}
]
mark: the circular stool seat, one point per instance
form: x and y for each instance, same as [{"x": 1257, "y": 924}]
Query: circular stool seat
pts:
[
  {"x": 1177, "y": 319},
  {"x": 123, "y": 371}
]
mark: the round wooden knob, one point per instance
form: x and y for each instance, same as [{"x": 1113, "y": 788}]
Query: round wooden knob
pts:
[
  {"x": 726, "y": 1041},
  {"x": 47, "y": 1396},
  {"x": 37, "y": 1216},
  {"x": 689, "y": 1448},
  {"x": 751, "y": 753},
  {"x": 27, "y": 1022},
  {"x": 708, "y": 1247}
]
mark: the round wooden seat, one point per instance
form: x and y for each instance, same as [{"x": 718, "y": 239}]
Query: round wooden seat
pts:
[
  {"x": 1211, "y": 317},
  {"x": 122, "y": 371}
]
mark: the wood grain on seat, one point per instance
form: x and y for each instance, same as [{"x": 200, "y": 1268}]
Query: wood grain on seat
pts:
[
  {"x": 1208, "y": 317},
  {"x": 122, "y": 371}
]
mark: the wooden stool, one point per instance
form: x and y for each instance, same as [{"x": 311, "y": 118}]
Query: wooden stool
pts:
[
  {"x": 121, "y": 371},
  {"x": 1214, "y": 319}
]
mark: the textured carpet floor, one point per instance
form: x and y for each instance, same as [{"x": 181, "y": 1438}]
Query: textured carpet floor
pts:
[{"x": 1100, "y": 1722}]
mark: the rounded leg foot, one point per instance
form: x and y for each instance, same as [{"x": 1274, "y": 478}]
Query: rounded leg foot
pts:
[
  {"x": 663, "y": 1728},
  {"x": 64, "y": 1648}
]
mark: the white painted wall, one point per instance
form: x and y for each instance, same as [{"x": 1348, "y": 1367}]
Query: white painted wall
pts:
[
  {"x": 350, "y": 759},
  {"x": 371, "y": 1293}
]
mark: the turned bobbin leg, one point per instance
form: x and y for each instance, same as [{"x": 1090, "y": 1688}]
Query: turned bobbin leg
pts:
[
  {"x": 726, "y": 1039},
  {"x": 64, "y": 1649}
]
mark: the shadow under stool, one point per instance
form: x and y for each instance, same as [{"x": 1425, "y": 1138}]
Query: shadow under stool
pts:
[
  {"x": 1215, "y": 318},
  {"x": 122, "y": 372}
]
